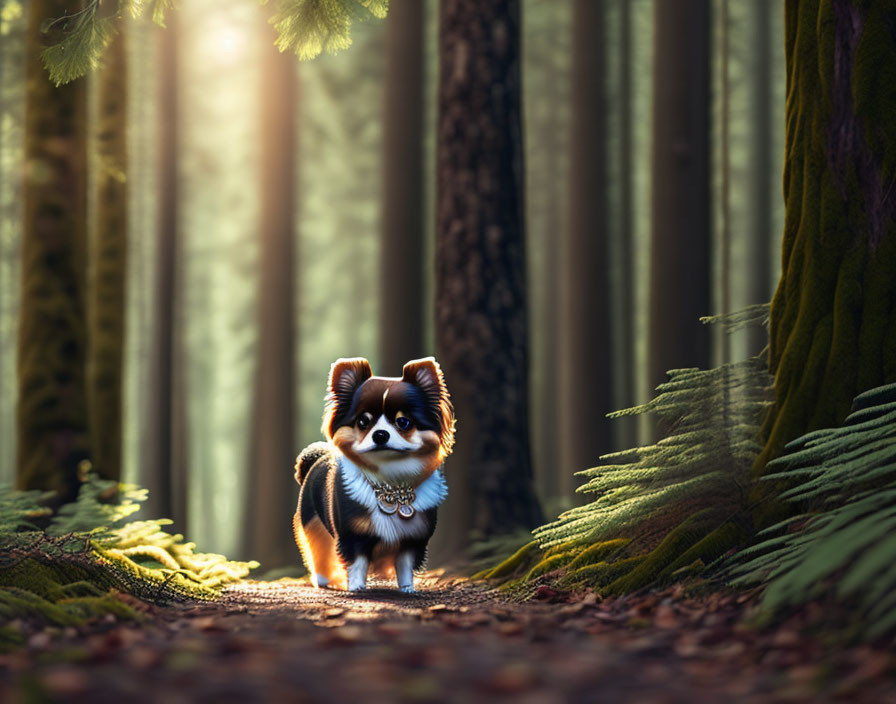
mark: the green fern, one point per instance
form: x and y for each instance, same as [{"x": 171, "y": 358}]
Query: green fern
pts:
[
  {"x": 845, "y": 550},
  {"x": 712, "y": 421},
  {"x": 69, "y": 573},
  {"x": 101, "y": 505},
  {"x": 19, "y": 509}
]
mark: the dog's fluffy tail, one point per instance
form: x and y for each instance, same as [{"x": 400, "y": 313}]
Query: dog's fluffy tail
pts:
[{"x": 308, "y": 457}]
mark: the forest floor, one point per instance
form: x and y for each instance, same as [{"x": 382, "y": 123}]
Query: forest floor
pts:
[{"x": 452, "y": 641}]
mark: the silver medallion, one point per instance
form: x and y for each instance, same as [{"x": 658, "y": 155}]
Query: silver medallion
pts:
[{"x": 386, "y": 506}]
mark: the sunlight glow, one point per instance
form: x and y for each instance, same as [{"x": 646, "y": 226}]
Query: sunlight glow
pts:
[{"x": 227, "y": 43}]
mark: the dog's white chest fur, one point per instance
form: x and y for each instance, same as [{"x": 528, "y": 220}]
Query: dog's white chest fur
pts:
[{"x": 392, "y": 528}]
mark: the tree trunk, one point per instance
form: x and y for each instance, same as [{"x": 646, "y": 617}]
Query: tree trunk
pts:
[
  {"x": 51, "y": 413},
  {"x": 833, "y": 319},
  {"x": 680, "y": 231},
  {"x": 108, "y": 264},
  {"x": 272, "y": 488},
  {"x": 627, "y": 428},
  {"x": 761, "y": 166},
  {"x": 480, "y": 267},
  {"x": 164, "y": 437},
  {"x": 586, "y": 340},
  {"x": 401, "y": 259}
]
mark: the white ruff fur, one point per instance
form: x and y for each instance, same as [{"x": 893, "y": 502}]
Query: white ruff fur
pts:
[{"x": 391, "y": 529}]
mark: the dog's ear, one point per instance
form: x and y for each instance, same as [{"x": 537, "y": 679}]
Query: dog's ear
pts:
[
  {"x": 346, "y": 375},
  {"x": 426, "y": 374}
]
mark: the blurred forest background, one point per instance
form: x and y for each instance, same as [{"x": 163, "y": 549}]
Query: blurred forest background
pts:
[{"x": 283, "y": 214}]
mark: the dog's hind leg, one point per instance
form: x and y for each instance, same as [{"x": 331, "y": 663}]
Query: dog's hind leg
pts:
[{"x": 325, "y": 565}]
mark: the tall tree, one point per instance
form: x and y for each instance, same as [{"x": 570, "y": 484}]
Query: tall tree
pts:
[
  {"x": 586, "y": 381},
  {"x": 51, "y": 413},
  {"x": 762, "y": 169},
  {"x": 164, "y": 437},
  {"x": 108, "y": 258},
  {"x": 626, "y": 364},
  {"x": 272, "y": 488},
  {"x": 401, "y": 253},
  {"x": 480, "y": 267},
  {"x": 833, "y": 318},
  {"x": 680, "y": 230}
]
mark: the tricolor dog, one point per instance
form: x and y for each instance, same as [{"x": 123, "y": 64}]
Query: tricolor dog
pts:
[{"x": 370, "y": 494}]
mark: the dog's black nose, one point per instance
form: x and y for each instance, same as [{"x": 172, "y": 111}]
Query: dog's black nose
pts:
[{"x": 381, "y": 437}]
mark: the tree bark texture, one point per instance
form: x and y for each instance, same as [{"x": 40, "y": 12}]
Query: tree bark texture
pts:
[
  {"x": 401, "y": 267},
  {"x": 833, "y": 318},
  {"x": 480, "y": 266},
  {"x": 51, "y": 413},
  {"x": 680, "y": 231},
  {"x": 108, "y": 265},
  {"x": 164, "y": 455},
  {"x": 272, "y": 488},
  {"x": 586, "y": 339}
]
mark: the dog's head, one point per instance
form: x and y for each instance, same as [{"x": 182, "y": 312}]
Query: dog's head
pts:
[{"x": 396, "y": 429}]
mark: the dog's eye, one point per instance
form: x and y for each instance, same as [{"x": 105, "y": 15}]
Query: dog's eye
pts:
[
  {"x": 403, "y": 423},
  {"x": 364, "y": 421}
]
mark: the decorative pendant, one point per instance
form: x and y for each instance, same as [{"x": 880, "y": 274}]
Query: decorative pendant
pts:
[
  {"x": 390, "y": 499},
  {"x": 387, "y": 507}
]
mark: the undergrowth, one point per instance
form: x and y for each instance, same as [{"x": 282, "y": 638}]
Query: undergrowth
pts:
[
  {"x": 66, "y": 570},
  {"x": 665, "y": 510},
  {"x": 841, "y": 545}
]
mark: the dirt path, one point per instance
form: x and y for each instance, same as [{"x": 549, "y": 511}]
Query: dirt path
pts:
[{"x": 284, "y": 641}]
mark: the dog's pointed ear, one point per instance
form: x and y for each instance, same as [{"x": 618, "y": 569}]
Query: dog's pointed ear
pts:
[
  {"x": 426, "y": 374},
  {"x": 346, "y": 375}
]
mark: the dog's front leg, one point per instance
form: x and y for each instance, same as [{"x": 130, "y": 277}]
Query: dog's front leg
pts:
[
  {"x": 404, "y": 571},
  {"x": 357, "y": 574}
]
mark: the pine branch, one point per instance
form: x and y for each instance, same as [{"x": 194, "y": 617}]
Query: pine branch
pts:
[{"x": 309, "y": 27}]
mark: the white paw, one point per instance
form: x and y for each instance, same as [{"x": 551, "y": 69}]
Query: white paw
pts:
[
  {"x": 408, "y": 589},
  {"x": 319, "y": 580},
  {"x": 357, "y": 574}
]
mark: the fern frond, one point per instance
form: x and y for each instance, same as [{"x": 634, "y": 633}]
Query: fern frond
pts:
[
  {"x": 309, "y": 27},
  {"x": 844, "y": 550}
]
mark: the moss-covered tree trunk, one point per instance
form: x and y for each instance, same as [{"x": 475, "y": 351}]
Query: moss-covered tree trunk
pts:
[
  {"x": 480, "y": 267},
  {"x": 51, "y": 413},
  {"x": 108, "y": 262},
  {"x": 833, "y": 319}
]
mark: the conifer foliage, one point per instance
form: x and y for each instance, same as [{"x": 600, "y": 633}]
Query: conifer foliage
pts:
[
  {"x": 844, "y": 550},
  {"x": 80, "y": 38},
  {"x": 308, "y": 27},
  {"x": 304, "y": 27}
]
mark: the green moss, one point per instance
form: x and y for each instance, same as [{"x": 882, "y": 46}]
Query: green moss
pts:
[
  {"x": 600, "y": 574},
  {"x": 599, "y": 552},
  {"x": 550, "y": 564},
  {"x": 727, "y": 536},
  {"x": 568, "y": 546},
  {"x": 675, "y": 545},
  {"x": 521, "y": 560}
]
